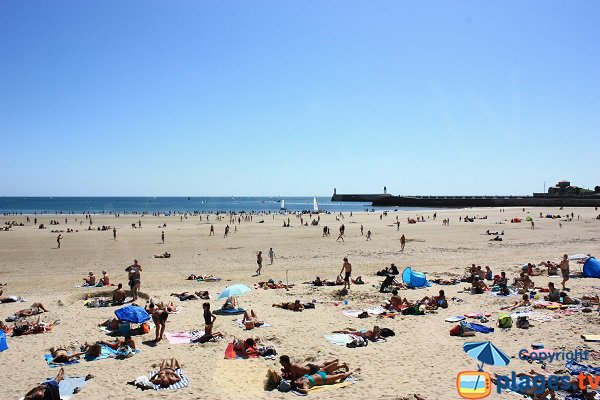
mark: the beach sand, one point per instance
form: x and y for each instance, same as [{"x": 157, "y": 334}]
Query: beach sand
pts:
[{"x": 422, "y": 357}]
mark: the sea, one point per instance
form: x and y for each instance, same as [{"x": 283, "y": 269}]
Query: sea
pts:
[{"x": 171, "y": 205}]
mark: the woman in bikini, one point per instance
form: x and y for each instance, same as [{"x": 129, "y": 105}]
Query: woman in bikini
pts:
[
  {"x": 251, "y": 321},
  {"x": 320, "y": 378},
  {"x": 159, "y": 317},
  {"x": 371, "y": 335},
  {"x": 245, "y": 347},
  {"x": 167, "y": 374},
  {"x": 295, "y": 306}
]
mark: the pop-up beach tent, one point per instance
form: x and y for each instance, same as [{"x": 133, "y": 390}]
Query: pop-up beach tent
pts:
[
  {"x": 414, "y": 279},
  {"x": 591, "y": 268}
]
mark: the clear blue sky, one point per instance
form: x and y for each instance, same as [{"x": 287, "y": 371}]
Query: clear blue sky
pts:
[{"x": 297, "y": 97}]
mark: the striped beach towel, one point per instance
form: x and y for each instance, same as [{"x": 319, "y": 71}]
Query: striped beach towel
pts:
[{"x": 184, "y": 382}]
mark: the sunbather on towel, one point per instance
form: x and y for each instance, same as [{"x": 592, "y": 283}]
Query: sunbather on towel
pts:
[
  {"x": 167, "y": 376},
  {"x": 60, "y": 355},
  {"x": 127, "y": 341},
  {"x": 436, "y": 301},
  {"x": 250, "y": 320},
  {"x": 295, "y": 371},
  {"x": 321, "y": 378},
  {"x": 151, "y": 307},
  {"x": 111, "y": 324},
  {"x": 35, "y": 309},
  {"x": 369, "y": 334},
  {"x": 184, "y": 296},
  {"x": 9, "y": 299},
  {"x": 523, "y": 303},
  {"x": 47, "y": 390},
  {"x": 90, "y": 280},
  {"x": 245, "y": 347},
  {"x": 295, "y": 306},
  {"x": 119, "y": 295},
  {"x": 358, "y": 281},
  {"x": 566, "y": 299},
  {"x": 91, "y": 350},
  {"x": 396, "y": 302}
]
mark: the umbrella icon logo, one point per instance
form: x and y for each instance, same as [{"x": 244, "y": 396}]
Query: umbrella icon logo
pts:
[{"x": 478, "y": 384}]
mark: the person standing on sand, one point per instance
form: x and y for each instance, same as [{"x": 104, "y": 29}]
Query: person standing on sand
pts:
[
  {"x": 135, "y": 281},
  {"x": 402, "y": 242},
  {"x": 162, "y": 236},
  {"x": 347, "y": 270},
  {"x": 212, "y": 230},
  {"x": 271, "y": 255},
  {"x": 564, "y": 268},
  {"x": 361, "y": 230},
  {"x": 259, "y": 261},
  {"x": 115, "y": 233},
  {"x": 532, "y": 225},
  {"x": 226, "y": 231},
  {"x": 58, "y": 239},
  {"x": 368, "y": 235}
]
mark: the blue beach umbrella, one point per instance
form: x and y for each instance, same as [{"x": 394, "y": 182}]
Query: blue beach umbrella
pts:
[
  {"x": 234, "y": 291},
  {"x": 134, "y": 314}
]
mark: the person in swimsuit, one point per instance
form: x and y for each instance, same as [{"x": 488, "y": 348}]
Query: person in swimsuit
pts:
[
  {"x": 553, "y": 293},
  {"x": 347, "y": 270},
  {"x": 105, "y": 280},
  {"x": 259, "y": 261},
  {"x": 159, "y": 317},
  {"x": 60, "y": 355},
  {"x": 320, "y": 378},
  {"x": 370, "y": 334},
  {"x": 134, "y": 278},
  {"x": 167, "y": 374},
  {"x": 90, "y": 280},
  {"x": 191, "y": 296},
  {"x": 523, "y": 303},
  {"x": 209, "y": 319},
  {"x": 250, "y": 320},
  {"x": 47, "y": 390},
  {"x": 35, "y": 309},
  {"x": 295, "y": 371},
  {"x": 119, "y": 295},
  {"x": 564, "y": 269},
  {"x": 295, "y": 306},
  {"x": 436, "y": 301},
  {"x": 244, "y": 347}
]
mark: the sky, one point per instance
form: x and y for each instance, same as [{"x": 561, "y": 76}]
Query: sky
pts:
[{"x": 210, "y": 98}]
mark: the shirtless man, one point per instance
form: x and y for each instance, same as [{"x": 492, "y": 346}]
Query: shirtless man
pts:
[
  {"x": 119, "y": 295},
  {"x": 402, "y": 242},
  {"x": 370, "y": 334},
  {"x": 105, "y": 280},
  {"x": 552, "y": 267},
  {"x": 396, "y": 301},
  {"x": 295, "y": 371},
  {"x": 58, "y": 239},
  {"x": 347, "y": 270},
  {"x": 36, "y": 308},
  {"x": 295, "y": 306},
  {"x": 90, "y": 280},
  {"x": 564, "y": 269},
  {"x": 134, "y": 278}
]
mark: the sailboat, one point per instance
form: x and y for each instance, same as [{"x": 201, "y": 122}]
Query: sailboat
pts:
[
  {"x": 282, "y": 205},
  {"x": 315, "y": 204}
]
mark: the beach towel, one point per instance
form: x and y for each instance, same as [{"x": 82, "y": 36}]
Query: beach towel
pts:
[
  {"x": 576, "y": 368},
  {"x": 477, "y": 327},
  {"x": 106, "y": 352},
  {"x": 184, "y": 382},
  {"x": 342, "y": 339},
  {"x": 184, "y": 337},
  {"x": 67, "y": 386},
  {"x": 234, "y": 311},
  {"x": 347, "y": 382},
  {"x": 231, "y": 354},
  {"x": 352, "y": 313},
  {"x": 591, "y": 338},
  {"x": 48, "y": 358}
]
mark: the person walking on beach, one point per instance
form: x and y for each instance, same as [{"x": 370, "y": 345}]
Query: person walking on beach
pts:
[
  {"x": 368, "y": 235},
  {"x": 532, "y": 225},
  {"x": 212, "y": 230},
  {"x": 162, "y": 237},
  {"x": 135, "y": 281},
  {"x": 340, "y": 236},
  {"x": 271, "y": 255},
  {"x": 361, "y": 230},
  {"x": 402, "y": 242},
  {"x": 347, "y": 270},
  {"x": 259, "y": 261},
  {"x": 564, "y": 268},
  {"x": 139, "y": 223},
  {"x": 397, "y": 225},
  {"x": 58, "y": 239},
  {"x": 226, "y": 231},
  {"x": 115, "y": 233}
]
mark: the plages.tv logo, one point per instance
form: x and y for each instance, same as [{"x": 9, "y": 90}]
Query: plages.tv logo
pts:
[{"x": 478, "y": 384}]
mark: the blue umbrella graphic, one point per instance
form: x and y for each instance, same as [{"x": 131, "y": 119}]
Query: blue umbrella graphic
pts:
[{"x": 487, "y": 353}]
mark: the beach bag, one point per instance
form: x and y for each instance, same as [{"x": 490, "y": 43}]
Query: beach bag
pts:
[
  {"x": 504, "y": 321},
  {"x": 522, "y": 322},
  {"x": 309, "y": 305},
  {"x": 358, "y": 342},
  {"x": 387, "y": 332},
  {"x": 268, "y": 351}
]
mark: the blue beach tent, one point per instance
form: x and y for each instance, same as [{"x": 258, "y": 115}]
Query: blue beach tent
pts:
[
  {"x": 414, "y": 279},
  {"x": 591, "y": 268}
]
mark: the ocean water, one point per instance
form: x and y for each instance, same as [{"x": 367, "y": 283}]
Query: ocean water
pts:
[{"x": 124, "y": 205}]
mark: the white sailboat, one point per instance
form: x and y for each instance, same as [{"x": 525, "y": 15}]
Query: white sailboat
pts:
[
  {"x": 282, "y": 205},
  {"x": 315, "y": 204}
]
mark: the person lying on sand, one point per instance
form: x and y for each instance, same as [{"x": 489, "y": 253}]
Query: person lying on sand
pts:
[
  {"x": 127, "y": 341},
  {"x": 61, "y": 356},
  {"x": 369, "y": 334},
  {"x": 169, "y": 307},
  {"x": 119, "y": 295},
  {"x": 358, "y": 281},
  {"x": 90, "y": 280},
  {"x": 251, "y": 321},
  {"x": 245, "y": 347},
  {"x": 163, "y": 255},
  {"x": 321, "y": 378},
  {"x": 295, "y": 371},
  {"x": 111, "y": 324},
  {"x": 295, "y": 306},
  {"x": 9, "y": 299},
  {"x": 272, "y": 285},
  {"x": 91, "y": 350},
  {"x": 35, "y": 309},
  {"x": 46, "y": 390},
  {"x": 166, "y": 375},
  {"x": 184, "y": 296},
  {"x": 523, "y": 303},
  {"x": 566, "y": 299}
]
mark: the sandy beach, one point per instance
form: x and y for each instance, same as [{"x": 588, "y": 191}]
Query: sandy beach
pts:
[{"x": 421, "y": 358}]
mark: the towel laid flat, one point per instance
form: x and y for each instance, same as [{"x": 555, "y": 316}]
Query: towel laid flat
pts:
[
  {"x": 48, "y": 358},
  {"x": 184, "y": 382}
]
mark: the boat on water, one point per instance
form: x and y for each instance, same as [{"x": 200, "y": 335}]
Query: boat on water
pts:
[
  {"x": 282, "y": 205},
  {"x": 315, "y": 204}
]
